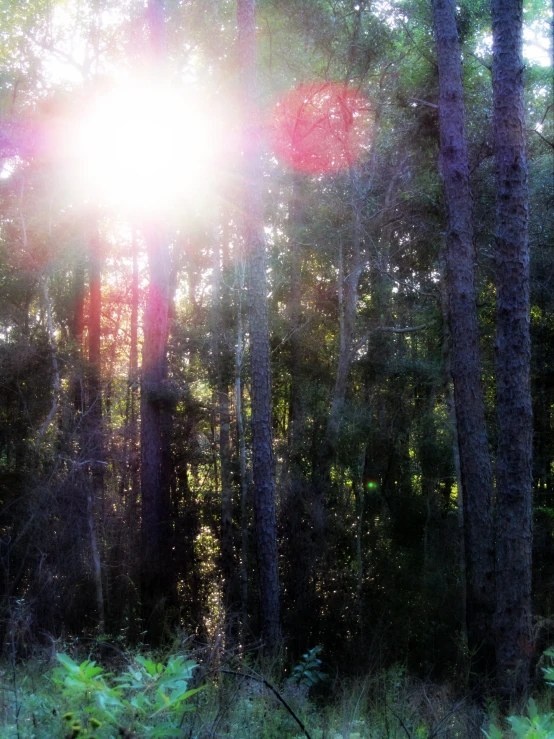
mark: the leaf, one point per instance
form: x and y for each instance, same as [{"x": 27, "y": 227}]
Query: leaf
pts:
[
  {"x": 493, "y": 732},
  {"x": 68, "y": 663}
]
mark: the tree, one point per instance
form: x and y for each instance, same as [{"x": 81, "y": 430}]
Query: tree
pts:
[
  {"x": 513, "y": 355},
  {"x": 157, "y": 570},
  {"x": 476, "y": 473},
  {"x": 255, "y": 246}
]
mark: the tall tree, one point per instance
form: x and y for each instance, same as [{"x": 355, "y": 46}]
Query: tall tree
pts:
[
  {"x": 476, "y": 472},
  {"x": 95, "y": 436},
  {"x": 255, "y": 247},
  {"x": 513, "y": 354},
  {"x": 156, "y": 567}
]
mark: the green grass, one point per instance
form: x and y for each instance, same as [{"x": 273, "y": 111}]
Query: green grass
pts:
[{"x": 198, "y": 696}]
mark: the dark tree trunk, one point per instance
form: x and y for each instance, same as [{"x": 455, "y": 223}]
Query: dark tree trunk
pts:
[
  {"x": 156, "y": 567},
  {"x": 254, "y": 241},
  {"x": 76, "y": 330},
  {"x": 296, "y": 221},
  {"x": 465, "y": 355},
  {"x": 513, "y": 352},
  {"x": 158, "y": 584},
  {"x": 223, "y": 372},
  {"x": 95, "y": 436},
  {"x": 134, "y": 466}
]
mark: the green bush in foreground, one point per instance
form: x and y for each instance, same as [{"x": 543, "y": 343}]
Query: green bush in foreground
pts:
[
  {"x": 148, "y": 695},
  {"x": 535, "y": 725}
]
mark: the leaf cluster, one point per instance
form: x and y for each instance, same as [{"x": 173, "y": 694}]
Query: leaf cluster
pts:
[{"x": 149, "y": 696}]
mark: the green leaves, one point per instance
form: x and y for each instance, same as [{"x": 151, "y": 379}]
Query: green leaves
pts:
[
  {"x": 149, "y": 694},
  {"x": 534, "y": 725},
  {"x": 307, "y": 672}
]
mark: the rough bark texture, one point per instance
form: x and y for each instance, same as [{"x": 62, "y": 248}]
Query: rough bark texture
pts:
[
  {"x": 254, "y": 241},
  {"x": 513, "y": 354},
  {"x": 475, "y": 464}
]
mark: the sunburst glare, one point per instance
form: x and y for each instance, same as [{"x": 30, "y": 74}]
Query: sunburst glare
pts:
[{"x": 148, "y": 147}]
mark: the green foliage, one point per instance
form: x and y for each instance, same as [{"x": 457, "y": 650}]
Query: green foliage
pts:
[
  {"x": 534, "y": 725},
  {"x": 149, "y": 694},
  {"x": 307, "y": 672}
]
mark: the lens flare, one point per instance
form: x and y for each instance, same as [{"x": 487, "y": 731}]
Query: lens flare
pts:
[
  {"x": 320, "y": 127},
  {"x": 147, "y": 147}
]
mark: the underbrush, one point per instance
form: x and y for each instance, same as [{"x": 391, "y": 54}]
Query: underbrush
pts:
[{"x": 201, "y": 694}]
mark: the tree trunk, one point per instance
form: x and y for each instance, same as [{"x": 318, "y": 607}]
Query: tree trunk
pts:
[
  {"x": 513, "y": 353},
  {"x": 254, "y": 241},
  {"x": 465, "y": 356},
  {"x": 95, "y": 436},
  {"x": 296, "y": 416},
  {"x": 239, "y": 355},
  {"x": 222, "y": 361},
  {"x": 156, "y": 569},
  {"x": 348, "y": 290}
]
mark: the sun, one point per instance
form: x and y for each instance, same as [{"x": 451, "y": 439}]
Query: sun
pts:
[{"x": 147, "y": 147}]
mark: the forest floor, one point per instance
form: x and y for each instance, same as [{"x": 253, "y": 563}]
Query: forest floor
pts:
[{"x": 140, "y": 695}]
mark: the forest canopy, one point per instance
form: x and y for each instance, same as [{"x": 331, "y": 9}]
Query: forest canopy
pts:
[{"x": 276, "y": 307}]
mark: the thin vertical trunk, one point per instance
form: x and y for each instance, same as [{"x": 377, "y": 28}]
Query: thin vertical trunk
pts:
[
  {"x": 465, "y": 356},
  {"x": 239, "y": 354},
  {"x": 348, "y": 296},
  {"x": 296, "y": 220},
  {"x": 76, "y": 331},
  {"x": 254, "y": 241},
  {"x": 54, "y": 360},
  {"x": 513, "y": 354},
  {"x": 95, "y": 436},
  {"x": 450, "y": 404},
  {"x": 222, "y": 361},
  {"x": 133, "y": 383}
]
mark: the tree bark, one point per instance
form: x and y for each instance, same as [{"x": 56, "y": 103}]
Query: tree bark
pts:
[
  {"x": 95, "y": 436},
  {"x": 157, "y": 566},
  {"x": 475, "y": 464},
  {"x": 239, "y": 356},
  {"x": 156, "y": 569},
  {"x": 254, "y": 241},
  {"x": 222, "y": 361},
  {"x": 513, "y": 354}
]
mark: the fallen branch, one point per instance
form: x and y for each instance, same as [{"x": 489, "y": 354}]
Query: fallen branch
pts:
[{"x": 274, "y": 691}]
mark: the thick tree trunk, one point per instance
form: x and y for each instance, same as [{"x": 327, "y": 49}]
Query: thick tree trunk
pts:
[
  {"x": 254, "y": 241},
  {"x": 513, "y": 353},
  {"x": 156, "y": 568},
  {"x": 465, "y": 357}
]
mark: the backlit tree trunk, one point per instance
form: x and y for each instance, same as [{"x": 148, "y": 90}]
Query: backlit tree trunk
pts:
[
  {"x": 475, "y": 464},
  {"x": 157, "y": 570},
  {"x": 513, "y": 354},
  {"x": 95, "y": 436},
  {"x": 255, "y": 247}
]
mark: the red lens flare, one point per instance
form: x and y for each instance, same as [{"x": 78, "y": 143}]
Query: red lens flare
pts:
[{"x": 320, "y": 127}]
